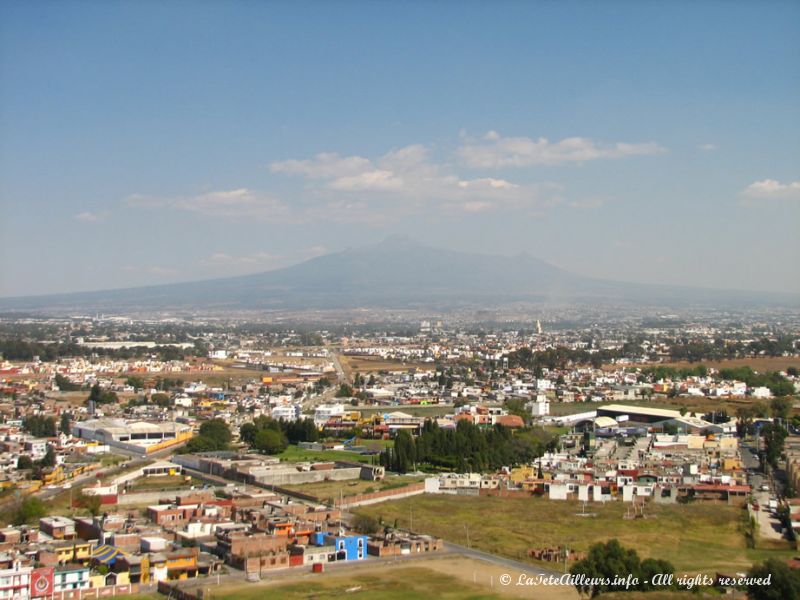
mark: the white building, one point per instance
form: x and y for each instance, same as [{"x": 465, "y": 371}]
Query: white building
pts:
[
  {"x": 539, "y": 406},
  {"x": 36, "y": 448},
  {"x": 762, "y": 392},
  {"x": 66, "y": 579},
  {"x": 135, "y": 436},
  {"x": 325, "y": 412},
  {"x": 15, "y": 583},
  {"x": 289, "y": 412}
]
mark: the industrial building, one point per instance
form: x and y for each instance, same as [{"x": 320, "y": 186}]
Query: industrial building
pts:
[{"x": 140, "y": 437}]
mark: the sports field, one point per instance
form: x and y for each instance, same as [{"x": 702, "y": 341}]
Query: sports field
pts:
[{"x": 695, "y": 537}]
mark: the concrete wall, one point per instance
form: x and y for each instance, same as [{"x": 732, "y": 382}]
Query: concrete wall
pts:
[
  {"x": 152, "y": 497},
  {"x": 413, "y": 489},
  {"x": 300, "y": 477}
]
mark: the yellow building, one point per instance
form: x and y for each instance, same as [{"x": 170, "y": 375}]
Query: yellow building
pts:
[
  {"x": 520, "y": 474},
  {"x": 182, "y": 564},
  {"x": 53, "y": 475}
]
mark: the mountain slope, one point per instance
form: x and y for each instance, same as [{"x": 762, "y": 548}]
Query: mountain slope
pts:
[{"x": 394, "y": 273}]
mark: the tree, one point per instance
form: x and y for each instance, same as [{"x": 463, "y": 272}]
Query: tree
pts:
[
  {"x": 365, "y": 524},
  {"x": 344, "y": 391},
  {"x": 40, "y": 426},
  {"x": 91, "y": 502},
  {"x": 99, "y": 396},
  {"x": 135, "y": 382},
  {"x": 247, "y": 433},
  {"x": 269, "y": 441},
  {"x": 49, "y": 459},
  {"x": 65, "y": 385},
  {"x": 160, "y": 399},
  {"x": 744, "y": 424},
  {"x": 200, "y": 444},
  {"x": 774, "y": 437},
  {"x": 612, "y": 562},
  {"x": 214, "y": 435},
  {"x": 780, "y": 407},
  {"x": 784, "y": 582},
  {"x": 218, "y": 432},
  {"x": 30, "y": 511},
  {"x": 66, "y": 423},
  {"x": 24, "y": 462},
  {"x": 404, "y": 454}
]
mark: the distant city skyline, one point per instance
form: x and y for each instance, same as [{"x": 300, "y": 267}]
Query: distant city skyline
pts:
[{"x": 145, "y": 143}]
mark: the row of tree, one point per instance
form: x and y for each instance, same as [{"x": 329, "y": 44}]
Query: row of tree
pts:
[
  {"x": 610, "y": 567},
  {"x": 214, "y": 435},
  {"x": 465, "y": 448},
  {"x": 270, "y": 436},
  {"x": 45, "y": 426}
]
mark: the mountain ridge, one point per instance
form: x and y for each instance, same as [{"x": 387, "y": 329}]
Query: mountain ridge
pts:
[{"x": 392, "y": 273}]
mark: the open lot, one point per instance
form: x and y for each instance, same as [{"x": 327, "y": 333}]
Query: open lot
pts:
[
  {"x": 760, "y": 364},
  {"x": 333, "y": 489},
  {"x": 695, "y": 537},
  {"x": 295, "y": 454},
  {"x": 698, "y": 404},
  {"x": 448, "y": 577},
  {"x": 163, "y": 482},
  {"x": 418, "y": 410},
  {"x": 373, "y": 364}
]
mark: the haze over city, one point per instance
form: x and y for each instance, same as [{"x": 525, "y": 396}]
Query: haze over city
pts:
[
  {"x": 398, "y": 300},
  {"x": 147, "y": 144}
]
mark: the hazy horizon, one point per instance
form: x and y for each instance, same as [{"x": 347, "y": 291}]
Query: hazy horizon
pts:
[
  {"x": 143, "y": 144},
  {"x": 389, "y": 240}
]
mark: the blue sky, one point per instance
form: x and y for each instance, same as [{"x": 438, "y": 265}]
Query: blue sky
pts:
[{"x": 150, "y": 142}]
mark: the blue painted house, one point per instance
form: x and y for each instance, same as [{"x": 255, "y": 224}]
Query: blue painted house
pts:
[{"x": 347, "y": 547}]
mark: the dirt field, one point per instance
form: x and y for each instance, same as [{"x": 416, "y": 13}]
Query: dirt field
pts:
[
  {"x": 767, "y": 363},
  {"x": 698, "y": 404},
  {"x": 333, "y": 489},
  {"x": 445, "y": 576},
  {"x": 369, "y": 364}
]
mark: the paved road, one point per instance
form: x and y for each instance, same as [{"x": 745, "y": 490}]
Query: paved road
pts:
[{"x": 500, "y": 561}]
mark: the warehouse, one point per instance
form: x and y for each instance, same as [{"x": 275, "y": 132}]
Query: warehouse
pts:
[{"x": 140, "y": 437}]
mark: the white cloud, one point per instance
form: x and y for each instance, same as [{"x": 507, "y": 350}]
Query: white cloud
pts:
[
  {"x": 770, "y": 188},
  {"x": 322, "y": 166},
  {"x": 90, "y": 217},
  {"x": 258, "y": 259},
  {"x": 153, "y": 270},
  {"x": 224, "y": 263},
  {"x": 402, "y": 181},
  {"x": 377, "y": 180},
  {"x": 238, "y": 203},
  {"x": 495, "y": 151},
  {"x": 708, "y": 147},
  {"x": 587, "y": 203}
]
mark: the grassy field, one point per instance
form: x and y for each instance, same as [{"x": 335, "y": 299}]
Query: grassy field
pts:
[
  {"x": 685, "y": 595},
  {"x": 398, "y": 583},
  {"x": 163, "y": 482},
  {"x": 332, "y": 489},
  {"x": 695, "y": 538},
  {"x": 433, "y": 410},
  {"x": 296, "y": 454}
]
